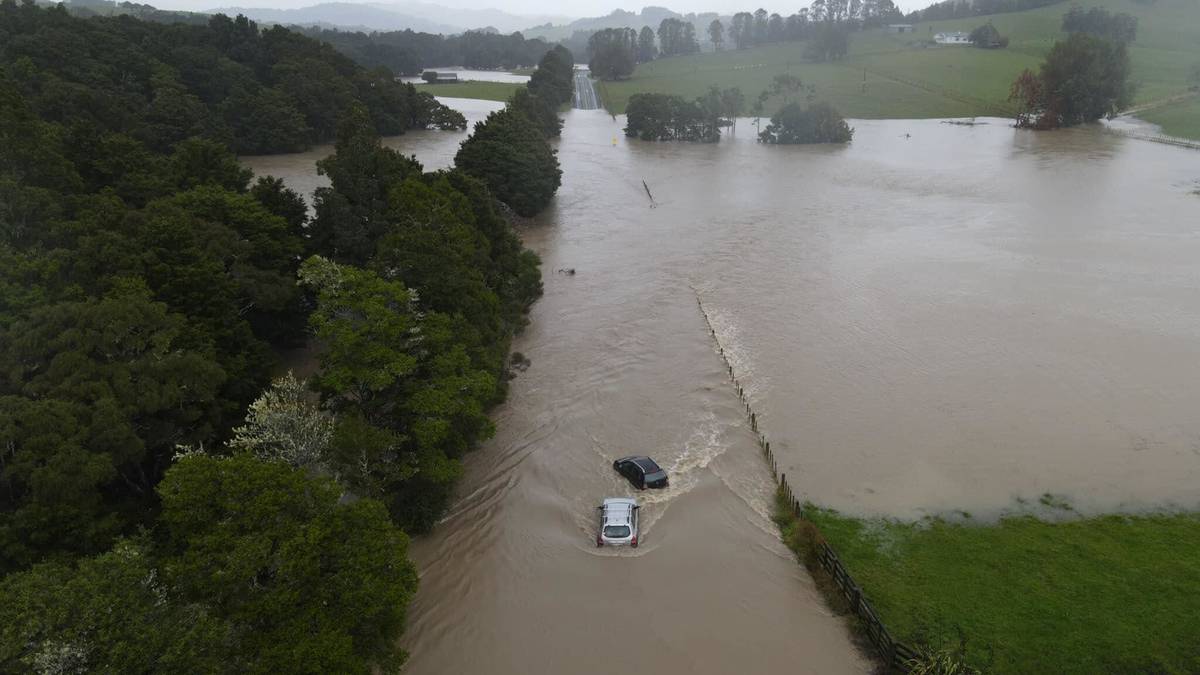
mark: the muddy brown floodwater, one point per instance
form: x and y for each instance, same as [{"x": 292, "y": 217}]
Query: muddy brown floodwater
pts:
[{"x": 935, "y": 317}]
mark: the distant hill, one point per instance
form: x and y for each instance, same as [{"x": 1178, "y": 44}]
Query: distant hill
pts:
[
  {"x": 342, "y": 15},
  {"x": 649, "y": 16},
  {"x": 502, "y": 21},
  {"x": 421, "y": 17}
]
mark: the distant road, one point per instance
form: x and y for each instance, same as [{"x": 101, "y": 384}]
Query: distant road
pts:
[{"x": 585, "y": 93}]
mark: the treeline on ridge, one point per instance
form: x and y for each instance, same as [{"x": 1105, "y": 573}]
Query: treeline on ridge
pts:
[
  {"x": 406, "y": 52},
  {"x": 257, "y": 91},
  {"x": 168, "y": 502}
]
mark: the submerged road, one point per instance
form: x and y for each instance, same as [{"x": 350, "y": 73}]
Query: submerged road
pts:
[{"x": 585, "y": 92}]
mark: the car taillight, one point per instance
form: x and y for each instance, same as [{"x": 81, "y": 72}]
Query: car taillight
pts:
[{"x": 635, "y": 540}]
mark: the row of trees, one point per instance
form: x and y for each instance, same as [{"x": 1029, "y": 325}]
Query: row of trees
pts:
[
  {"x": 408, "y": 53},
  {"x": 509, "y": 150},
  {"x": 615, "y": 52},
  {"x": 163, "y": 504},
  {"x": 675, "y": 37},
  {"x": 662, "y": 117},
  {"x": 257, "y": 91},
  {"x": 1116, "y": 26},
  {"x": 821, "y": 21}
]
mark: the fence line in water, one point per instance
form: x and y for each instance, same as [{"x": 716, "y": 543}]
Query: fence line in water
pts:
[
  {"x": 894, "y": 654},
  {"x": 1165, "y": 140}
]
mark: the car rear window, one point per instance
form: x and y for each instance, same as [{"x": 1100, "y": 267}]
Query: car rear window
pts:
[
  {"x": 616, "y": 531},
  {"x": 647, "y": 465},
  {"x": 657, "y": 475}
]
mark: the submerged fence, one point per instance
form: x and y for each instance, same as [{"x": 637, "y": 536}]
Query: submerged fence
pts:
[
  {"x": 894, "y": 654},
  {"x": 1165, "y": 140}
]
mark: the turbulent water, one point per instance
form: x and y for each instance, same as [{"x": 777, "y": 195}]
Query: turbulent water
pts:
[{"x": 934, "y": 317}]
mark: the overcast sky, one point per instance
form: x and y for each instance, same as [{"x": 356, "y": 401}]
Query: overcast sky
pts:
[{"x": 571, "y": 8}]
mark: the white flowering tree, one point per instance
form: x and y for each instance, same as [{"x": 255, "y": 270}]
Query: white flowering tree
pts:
[{"x": 285, "y": 425}]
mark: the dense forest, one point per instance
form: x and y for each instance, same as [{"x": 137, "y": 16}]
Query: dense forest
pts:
[
  {"x": 407, "y": 53},
  {"x": 169, "y": 500},
  {"x": 257, "y": 91}
]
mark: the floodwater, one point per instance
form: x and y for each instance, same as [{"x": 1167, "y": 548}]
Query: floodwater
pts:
[{"x": 935, "y": 317}]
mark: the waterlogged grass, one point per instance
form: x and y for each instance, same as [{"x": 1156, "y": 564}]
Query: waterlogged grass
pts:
[
  {"x": 907, "y": 78},
  {"x": 1110, "y": 594},
  {"x": 1178, "y": 119},
  {"x": 488, "y": 91}
]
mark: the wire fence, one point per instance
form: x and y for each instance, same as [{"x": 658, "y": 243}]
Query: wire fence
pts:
[
  {"x": 1156, "y": 138},
  {"x": 895, "y": 654}
]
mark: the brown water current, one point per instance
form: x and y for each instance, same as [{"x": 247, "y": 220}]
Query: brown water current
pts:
[{"x": 934, "y": 317}]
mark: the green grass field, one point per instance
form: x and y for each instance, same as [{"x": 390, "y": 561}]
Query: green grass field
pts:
[
  {"x": 1111, "y": 594},
  {"x": 1178, "y": 119},
  {"x": 904, "y": 77},
  {"x": 488, "y": 91}
]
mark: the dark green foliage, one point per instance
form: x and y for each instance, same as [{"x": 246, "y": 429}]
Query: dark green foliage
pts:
[
  {"x": 350, "y": 213},
  {"x": 413, "y": 345},
  {"x": 96, "y": 395},
  {"x": 553, "y": 81},
  {"x": 662, "y": 117},
  {"x": 508, "y": 152},
  {"x": 819, "y": 123},
  {"x": 647, "y": 50},
  {"x": 111, "y": 613},
  {"x": 307, "y": 584},
  {"x": 829, "y": 42},
  {"x": 541, "y": 113},
  {"x": 677, "y": 37},
  {"x": 613, "y": 53},
  {"x": 269, "y": 91},
  {"x": 987, "y": 37},
  {"x": 1082, "y": 79},
  {"x": 255, "y": 567},
  {"x": 281, "y": 201},
  {"x": 1097, "y": 21},
  {"x": 406, "y": 52},
  {"x": 141, "y": 294}
]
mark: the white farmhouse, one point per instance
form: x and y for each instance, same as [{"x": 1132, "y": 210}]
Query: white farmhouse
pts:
[{"x": 958, "y": 38}]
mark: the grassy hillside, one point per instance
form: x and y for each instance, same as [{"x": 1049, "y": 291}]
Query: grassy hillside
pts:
[{"x": 904, "y": 78}]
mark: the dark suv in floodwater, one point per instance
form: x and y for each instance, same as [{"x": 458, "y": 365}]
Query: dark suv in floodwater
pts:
[{"x": 642, "y": 472}]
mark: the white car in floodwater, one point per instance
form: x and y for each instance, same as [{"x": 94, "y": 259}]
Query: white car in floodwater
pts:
[{"x": 618, "y": 522}]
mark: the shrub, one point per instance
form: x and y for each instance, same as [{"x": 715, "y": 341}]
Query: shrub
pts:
[{"x": 820, "y": 123}]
